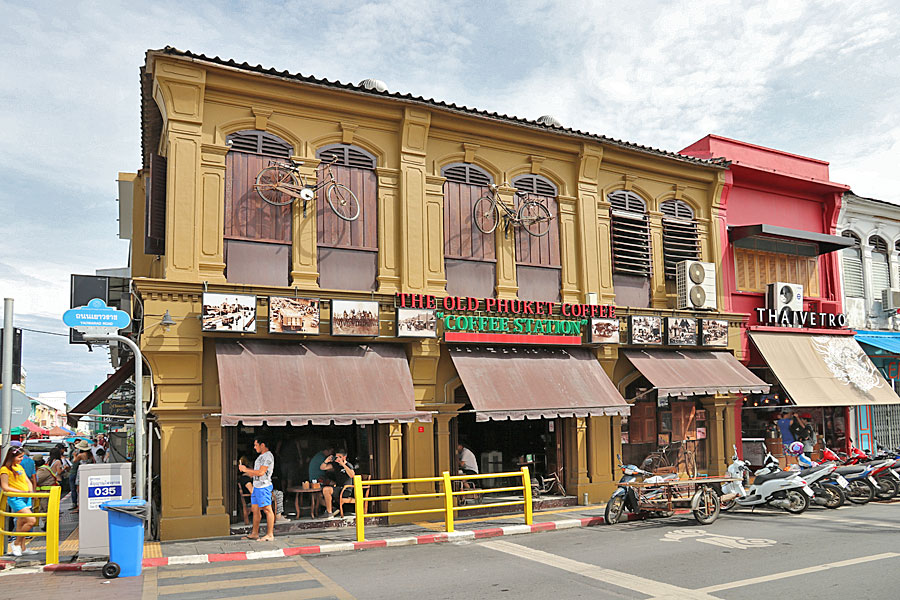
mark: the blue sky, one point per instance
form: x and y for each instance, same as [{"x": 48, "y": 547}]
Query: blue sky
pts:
[{"x": 814, "y": 78}]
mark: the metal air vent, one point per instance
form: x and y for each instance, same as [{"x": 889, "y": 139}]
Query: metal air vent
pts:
[
  {"x": 373, "y": 84},
  {"x": 549, "y": 120}
]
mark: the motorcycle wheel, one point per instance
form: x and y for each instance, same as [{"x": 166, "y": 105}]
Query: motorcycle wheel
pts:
[
  {"x": 887, "y": 488},
  {"x": 799, "y": 502},
  {"x": 860, "y": 491},
  {"x": 835, "y": 496},
  {"x": 708, "y": 508},
  {"x": 614, "y": 509}
]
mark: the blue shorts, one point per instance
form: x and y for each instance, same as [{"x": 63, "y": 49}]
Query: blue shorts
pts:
[
  {"x": 16, "y": 504},
  {"x": 261, "y": 496}
]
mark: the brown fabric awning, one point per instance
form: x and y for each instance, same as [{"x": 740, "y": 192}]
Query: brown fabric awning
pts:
[
  {"x": 679, "y": 373},
  {"x": 530, "y": 383},
  {"x": 102, "y": 392},
  {"x": 823, "y": 370},
  {"x": 314, "y": 383}
]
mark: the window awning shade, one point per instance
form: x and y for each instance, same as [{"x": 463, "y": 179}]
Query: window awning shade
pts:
[
  {"x": 102, "y": 392},
  {"x": 533, "y": 383},
  {"x": 695, "y": 373},
  {"x": 823, "y": 370},
  {"x": 885, "y": 340},
  {"x": 314, "y": 383}
]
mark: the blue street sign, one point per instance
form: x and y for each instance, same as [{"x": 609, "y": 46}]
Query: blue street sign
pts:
[{"x": 96, "y": 314}]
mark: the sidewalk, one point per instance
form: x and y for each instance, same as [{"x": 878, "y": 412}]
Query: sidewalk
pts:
[
  {"x": 68, "y": 541},
  {"x": 342, "y": 539}
]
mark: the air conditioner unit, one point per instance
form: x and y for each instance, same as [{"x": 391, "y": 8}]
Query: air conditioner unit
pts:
[
  {"x": 696, "y": 283},
  {"x": 890, "y": 300},
  {"x": 785, "y": 299}
]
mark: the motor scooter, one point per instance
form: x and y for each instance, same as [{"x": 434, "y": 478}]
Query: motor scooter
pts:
[{"x": 771, "y": 486}]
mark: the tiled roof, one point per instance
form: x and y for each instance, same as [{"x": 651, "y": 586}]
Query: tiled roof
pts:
[{"x": 720, "y": 163}]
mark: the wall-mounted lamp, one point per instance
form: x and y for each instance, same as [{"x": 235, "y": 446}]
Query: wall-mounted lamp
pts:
[{"x": 167, "y": 321}]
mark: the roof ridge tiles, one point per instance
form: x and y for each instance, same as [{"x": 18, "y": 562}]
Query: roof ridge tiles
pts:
[{"x": 716, "y": 162}]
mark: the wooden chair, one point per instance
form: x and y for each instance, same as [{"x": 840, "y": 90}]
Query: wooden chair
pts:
[
  {"x": 347, "y": 495},
  {"x": 244, "y": 497}
]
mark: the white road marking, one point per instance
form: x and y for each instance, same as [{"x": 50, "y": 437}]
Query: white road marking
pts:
[
  {"x": 795, "y": 572},
  {"x": 849, "y": 521},
  {"x": 616, "y": 578},
  {"x": 716, "y": 539}
]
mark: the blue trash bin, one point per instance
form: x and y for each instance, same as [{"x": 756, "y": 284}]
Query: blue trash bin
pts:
[{"x": 126, "y": 537}]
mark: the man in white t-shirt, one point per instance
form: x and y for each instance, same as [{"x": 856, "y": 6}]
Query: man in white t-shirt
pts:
[
  {"x": 261, "y": 497},
  {"x": 467, "y": 463}
]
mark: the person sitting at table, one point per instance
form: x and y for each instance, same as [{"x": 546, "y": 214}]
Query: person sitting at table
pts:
[{"x": 339, "y": 472}]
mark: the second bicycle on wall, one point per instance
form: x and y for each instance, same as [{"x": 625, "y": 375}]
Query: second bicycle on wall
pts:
[
  {"x": 281, "y": 183},
  {"x": 531, "y": 215}
]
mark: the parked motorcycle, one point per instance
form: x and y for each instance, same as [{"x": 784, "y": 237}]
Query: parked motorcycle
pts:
[
  {"x": 771, "y": 486},
  {"x": 887, "y": 479},
  {"x": 862, "y": 485}
]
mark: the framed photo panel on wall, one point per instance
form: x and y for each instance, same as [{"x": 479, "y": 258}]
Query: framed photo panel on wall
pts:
[
  {"x": 681, "y": 331},
  {"x": 293, "y": 315},
  {"x": 350, "y": 317},
  {"x": 604, "y": 331},
  {"x": 645, "y": 329},
  {"x": 416, "y": 322},
  {"x": 228, "y": 312},
  {"x": 714, "y": 332}
]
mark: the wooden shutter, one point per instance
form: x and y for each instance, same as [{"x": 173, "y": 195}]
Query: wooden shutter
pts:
[
  {"x": 360, "y": 234},
  {"x": 538, "y": 251},
  {"x": 155, "y": 209},
  {"x": 642, "y": 423},
  {"x": 684, "y": 421},
  {"x": 630, "y": 234},
  {"x": 247, "y": 216},
  {"x": 462, "y": 240}
]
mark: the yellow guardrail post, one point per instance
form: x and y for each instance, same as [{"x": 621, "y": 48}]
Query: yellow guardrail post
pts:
[
  {"x": 448, "y": 502},
  {"x": 53, "y": 526},
  {"x": 52, "y": 516},
  {"x": 360, "y": 508},
  {"x": 526, "y": 492}
]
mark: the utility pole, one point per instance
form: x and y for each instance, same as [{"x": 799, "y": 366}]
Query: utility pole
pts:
[{"x": 7, "y": 370}]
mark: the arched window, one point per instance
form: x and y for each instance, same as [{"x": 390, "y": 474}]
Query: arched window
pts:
[
  {"x": 257, "y": 234},
  {"x": 469, "y": 255},
  {"x": 881, "y": 266},
  {"x": 537, "y": 258},
  {"x": 348, "y": 250},
  {"x": 680, "y": 238},
  {"x": 631, "y": 252},
  {"x": 851, "y": 260}
]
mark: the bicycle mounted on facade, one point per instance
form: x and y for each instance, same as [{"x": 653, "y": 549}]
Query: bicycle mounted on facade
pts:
[
  {"x": 279, "y": 184},
  {"x": 532, "y": 215}
]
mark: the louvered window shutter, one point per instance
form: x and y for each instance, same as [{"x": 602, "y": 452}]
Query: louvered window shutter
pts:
[
  {"x": 344, "y": 155},
  {"x": 854, "y": 287},
  {"x": 881, "y": 269},
  {"x": 155, "y": 209},
  {"x": 259, "y": 142},
  {"x": 538, "y": 251},
  {"x": 630, "y": 234},
  {"x": 680, "y": 238}
]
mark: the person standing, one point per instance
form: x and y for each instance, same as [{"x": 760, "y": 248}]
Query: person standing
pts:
[
  {"x": 82, "y": 454},
  {"x": 14, "y": 479},
  {"x": 48, "y": 476},
  {"x": 27, "y": 461},
  {"x": 261, "y": 497}
]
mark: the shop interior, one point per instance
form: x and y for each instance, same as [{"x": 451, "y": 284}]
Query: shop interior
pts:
[
  {"x": 505, "y": 446},
  {"x": 671, "y": 433},
  {"x": 294, "y": 448},
  {"x": 761, "y": 430}
]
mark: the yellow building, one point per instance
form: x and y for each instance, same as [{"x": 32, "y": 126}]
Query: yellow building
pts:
[{"x": 407, "y": 330}]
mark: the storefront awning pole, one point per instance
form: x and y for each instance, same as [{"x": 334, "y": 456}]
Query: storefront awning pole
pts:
[{"x": 139, "y": 464}]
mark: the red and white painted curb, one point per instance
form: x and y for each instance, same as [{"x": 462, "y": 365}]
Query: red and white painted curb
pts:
[{"x": 418, "y": 540}]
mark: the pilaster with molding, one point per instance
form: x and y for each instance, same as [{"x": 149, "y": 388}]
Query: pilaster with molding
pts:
[
  {"x": 388, "y": 238},
  {"x": 589, "y": 263},
  {"x": 179, "y": 91},
  {"x": 212, "y": 213},
  {"x": 505, "y": 244},
  {"x": 570, "y": 251},
  {"x": 658, "y": 298},
  {"x": 414, "y": 223},
  {"x": 434, "y": 210},
  {"x": 304, "y": 249}
]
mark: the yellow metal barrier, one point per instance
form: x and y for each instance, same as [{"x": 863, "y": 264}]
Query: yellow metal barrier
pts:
[
  {"x": 447, "y": 494},
  {"x": 52, "y": 515}
]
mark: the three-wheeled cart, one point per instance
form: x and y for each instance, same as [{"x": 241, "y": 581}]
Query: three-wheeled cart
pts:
[{"x": 699, "y": 494}]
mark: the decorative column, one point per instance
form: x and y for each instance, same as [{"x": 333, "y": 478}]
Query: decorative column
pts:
[
  {"x": 658, "y": 297},
  {"x": 569, "y": 249},
  {"x": 717, "y": 432},
  {"x": 215, "y": 485},
  {"x": 414, "y": 225},
  {"x": 305, "y": 249},
  {"x": 434, "y": 210},
  {"x": 594, "y": 269},
  {"x": 505, "y": 243},
  {"x": 388, "y": 231},
  {"x": 179, "y": 91},
  {"x": 212, "y": 213}
]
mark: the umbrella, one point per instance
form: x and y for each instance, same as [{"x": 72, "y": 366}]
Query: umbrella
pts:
[{"x": 34, "y": 428}]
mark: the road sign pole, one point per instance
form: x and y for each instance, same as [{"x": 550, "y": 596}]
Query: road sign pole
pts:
[
  {"x": 139, "y": 450},
  {"x": 7, "y": 370}
]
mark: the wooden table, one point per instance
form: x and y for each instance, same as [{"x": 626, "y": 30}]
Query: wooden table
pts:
[{"x": 313, "y": 498}]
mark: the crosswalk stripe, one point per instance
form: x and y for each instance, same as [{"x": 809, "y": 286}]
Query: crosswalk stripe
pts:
[
  {"x": 232, "y": 583},
  {"x": 234, "y": 567}
]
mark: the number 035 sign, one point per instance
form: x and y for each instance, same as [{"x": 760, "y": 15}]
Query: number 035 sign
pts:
[{"x": 101, "y": 488}]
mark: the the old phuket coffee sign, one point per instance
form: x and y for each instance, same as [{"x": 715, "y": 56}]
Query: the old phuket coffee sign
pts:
[{"x": 498, "y": 320}]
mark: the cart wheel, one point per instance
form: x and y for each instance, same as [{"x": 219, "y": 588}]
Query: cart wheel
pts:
[
  {"x": 111, "y": 570},
  {"x": 707, "y": 502}
]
